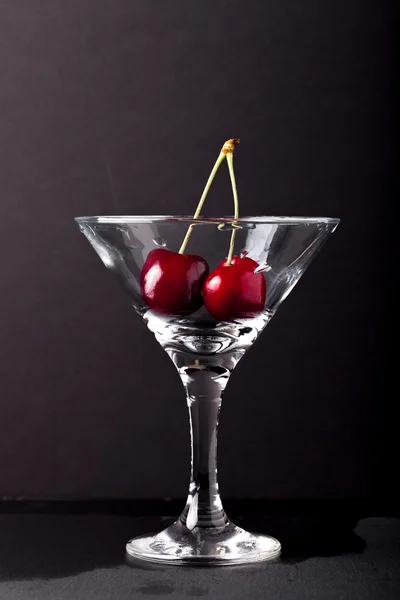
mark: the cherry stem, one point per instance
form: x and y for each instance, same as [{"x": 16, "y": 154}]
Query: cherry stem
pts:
[
  {"x": 229, "y": 158},
  {"x": 202, "y": 200},
  {"x": 226, "y": 151}
]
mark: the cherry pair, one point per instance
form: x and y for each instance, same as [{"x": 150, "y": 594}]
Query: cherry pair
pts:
[{"x": 177, "y": 284}]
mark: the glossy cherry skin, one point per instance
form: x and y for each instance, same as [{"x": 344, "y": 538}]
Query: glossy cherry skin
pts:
[
  {"x": 235, "y": 291},
  {"x": 171, "y": 283}
]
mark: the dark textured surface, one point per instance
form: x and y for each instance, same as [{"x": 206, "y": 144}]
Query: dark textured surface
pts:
[
  {"x": 110, "y": 106},
  {"x": 73, "y": 557}
]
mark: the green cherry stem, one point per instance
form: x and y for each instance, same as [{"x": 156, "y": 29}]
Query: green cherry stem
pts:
[
  {"x": 226, "y": 150},
  {"x": 229, "y": 158}
]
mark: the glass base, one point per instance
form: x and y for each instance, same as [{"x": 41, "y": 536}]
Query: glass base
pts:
[{"x": 217, "y": 546}]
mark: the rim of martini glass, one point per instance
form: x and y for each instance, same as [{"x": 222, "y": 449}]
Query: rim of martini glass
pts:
[{"x": 187, "y": 218}]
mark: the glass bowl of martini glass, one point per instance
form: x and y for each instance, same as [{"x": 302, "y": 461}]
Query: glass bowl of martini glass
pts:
[{"x": 206, "y": 288}]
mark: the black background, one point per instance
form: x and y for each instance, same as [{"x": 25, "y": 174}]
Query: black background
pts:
[{"x": 120, "y": 106}]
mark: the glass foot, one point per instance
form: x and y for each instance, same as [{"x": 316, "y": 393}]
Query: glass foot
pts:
[{"x": 218, "y": 546}]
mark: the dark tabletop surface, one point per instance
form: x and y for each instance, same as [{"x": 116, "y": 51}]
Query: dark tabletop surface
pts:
[{"x": 80, "y": 557}]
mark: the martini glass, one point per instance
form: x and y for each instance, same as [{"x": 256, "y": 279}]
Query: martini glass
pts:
[{"x": 205, "y": 352}]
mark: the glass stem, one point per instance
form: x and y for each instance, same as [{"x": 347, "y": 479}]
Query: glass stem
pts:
[{"x": 204, "y": 386}]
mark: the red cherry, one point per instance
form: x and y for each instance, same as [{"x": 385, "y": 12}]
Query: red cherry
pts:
[
  {"x": 171, "y": 283},
  {"x": 235, "y": 291}
]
